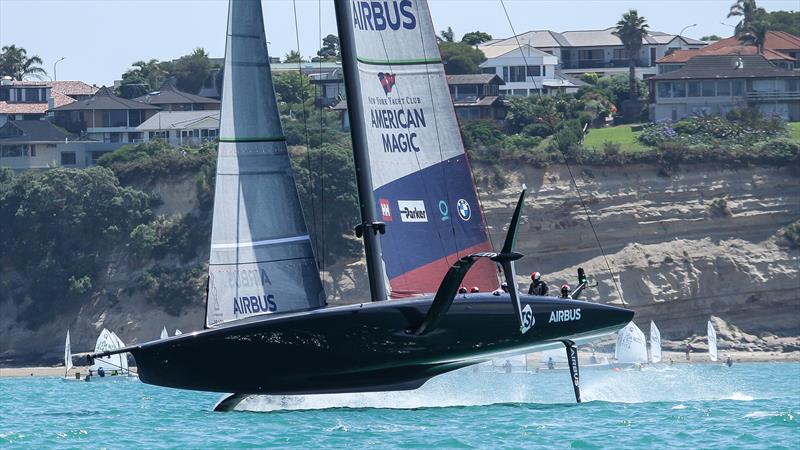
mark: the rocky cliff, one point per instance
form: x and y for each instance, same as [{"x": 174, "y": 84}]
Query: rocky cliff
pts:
[{"x": 703, "y": 241}]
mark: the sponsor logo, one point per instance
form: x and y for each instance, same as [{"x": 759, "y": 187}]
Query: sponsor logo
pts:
[
  {"x": 573, "y": 366},
  {"x": 565, "y": 315},
  {"x": 386, "y": 211},
  {"x": 388, "y": 80},
  {"x": 382, "y": 15},
  {"x": 464, "y": 210},
  {"x": 527, "y": 319},
  {"x": 254, "y": 304},
  {"x": 412, "y": 211},
  {"x": 444, "y": 210}
]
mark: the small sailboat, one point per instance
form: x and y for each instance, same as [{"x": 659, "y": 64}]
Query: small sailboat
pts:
[
  {"x": 178, "y": 332},
  {"x": 712, "y": 342},
  {"x": 67, "y": 356},
  {"x": 655, "y": 343},
  {"x": 423, "y": 230},
  {"x": 112, "y": 365},
  {"x": 164, "y": 333},
  {"x": 631, "y": 348}
]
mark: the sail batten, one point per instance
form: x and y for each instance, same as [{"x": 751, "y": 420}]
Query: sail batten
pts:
[
  {"x": 422, "y": 183},
  {"x": 262, "y": 261}
]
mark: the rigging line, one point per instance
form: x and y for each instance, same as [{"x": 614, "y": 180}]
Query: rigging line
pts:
[
  {"x": 305, "y": 127},
  {"x": 321, "y": 155},
  {"x": 519, "y": 46},
  {"x": 119, "y": 367},
  {"x": 589, "y": 218}
]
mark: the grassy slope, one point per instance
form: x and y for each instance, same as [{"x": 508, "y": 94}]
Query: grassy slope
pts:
[
  {"x": 794, "y": 130},
  {"x": 622, "y": 135}
]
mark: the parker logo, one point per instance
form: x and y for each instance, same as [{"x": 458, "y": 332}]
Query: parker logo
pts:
[
  {"x": 386, "y": 211},
  {"x": 387, "y": 81},
  {"x": 412, "y": 211}
]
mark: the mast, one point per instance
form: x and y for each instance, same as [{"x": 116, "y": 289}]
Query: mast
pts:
[{"x": 369, "y": 226}]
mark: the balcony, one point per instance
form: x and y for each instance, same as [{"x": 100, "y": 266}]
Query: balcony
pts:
[
  {"x": 601, "y": 64},
  {"x": 772, "y": 96}
]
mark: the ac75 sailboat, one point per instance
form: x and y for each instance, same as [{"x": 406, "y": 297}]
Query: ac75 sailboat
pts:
[{"x": 266, "y": 312}]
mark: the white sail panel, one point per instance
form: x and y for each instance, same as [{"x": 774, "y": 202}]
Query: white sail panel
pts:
[
  {"x": 655, "y": 343},
  {"x": 261, "y": 256},
  {"x": 67, "y": 353},
  {"x": 631, "y": 345},
  {"x": 423, "y": 184},
  {"x": 122, "y": 356},
  {"x": 105, "y": 342},
  {"x": 178, "y": 332},
  {"x": 164, "y": 333},
  {"x": 712, "y": 342}
]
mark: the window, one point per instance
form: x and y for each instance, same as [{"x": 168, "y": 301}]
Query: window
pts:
[
  {"x": 534, "y": 71},
  {"x": 723, "y": 88},
  {"x": 738, "y": 88},
  {"x": 136, "y": 117},
  {"x": 159, "y": 135},
  {"x": 664, "y": 89},
  {"x": 68, "y": 158},
  {"x": 134, "y": 137},
  {"x": 14, "y": 151},
  {"x": 33, "y": 150},
  {"x": 679, "y": 89},
  {"x": 489, "y": 70},
  {"x": 694, "y": 88},
  {"x": 505, "y": 73},
  {"x": 619, "y": 53},
  {"x": 709, "y": 88},
  {"x": 208, "y": 134},
  {"x": 115, "y": 137},
  {"x": 516, "y": 74},
  {"x": 115, "y": 118}
]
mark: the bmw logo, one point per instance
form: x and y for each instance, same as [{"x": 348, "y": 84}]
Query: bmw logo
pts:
[{"x": 464, "y": 211}]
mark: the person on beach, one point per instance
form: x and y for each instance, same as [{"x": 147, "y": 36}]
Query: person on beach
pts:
[
  {"x": 688, "y": 350},
  {"x": 538, "y": 286},
  {"x": 550, "y": 363},
  {"x": 729, "y": 361}
]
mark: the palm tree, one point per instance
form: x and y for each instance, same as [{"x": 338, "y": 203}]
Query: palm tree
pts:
[
  {"x": 631, "y": 30},
  {"x": 14, "y": 62},
  {"x": 755, "y": 34},
  {"x": 293, "y": 57},
  {"x": 748, "y": 11}
]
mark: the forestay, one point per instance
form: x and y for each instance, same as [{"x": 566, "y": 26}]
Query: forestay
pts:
[
  {"x": 631, "y": 345},
  {"x": 712, "y": 342},
  {"x": 261, "y": 256},
  {"x": 655, "y": 343},
  {"x": 422, "y": 181}
]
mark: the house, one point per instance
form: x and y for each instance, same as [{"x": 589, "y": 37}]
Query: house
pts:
[
  {"x": 477, "y": 96},
  {"x": 780, "y": 48},
  {"x": 105, "y": 117},
  {"x": 527, "y": 71},
  {"x": 598, "y": 51},
  {"x": 715, "y": 84},
  {"x": 30, "y": 100},
  {"x": 329, "y": 87},
  {"x": 170, "y": 98},
  {"x": 37, "y": 144},
  {"x": 191, "y": 128}
]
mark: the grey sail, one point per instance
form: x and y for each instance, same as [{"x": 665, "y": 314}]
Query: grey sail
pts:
[{"x": 262, "y": 261}]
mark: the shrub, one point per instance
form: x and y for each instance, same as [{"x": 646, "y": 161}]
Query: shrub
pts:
[
  {"x": 537, "y": 129},
  {"x": 791, "y": 234},
  {"x": 174, "y": 289},
  {"x": 719, "y": 208}
]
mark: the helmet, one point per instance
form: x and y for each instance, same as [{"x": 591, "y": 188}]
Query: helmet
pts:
[
  {"x": 462, "y": 290},
  {"x": 475, "y": 289},
  {"x": 536, "y": 276},
  {"x": 565, "y": 287}
]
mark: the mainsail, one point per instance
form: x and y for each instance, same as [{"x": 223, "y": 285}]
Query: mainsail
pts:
[
  {"x": 655, "y": 343},
  {"x": 421, "y": 177},
  {"x": 67, "y": 355},
  {"x": 631, "y": 345},
  {"x": 712, "y": 342},
  {"x": 105, "y": 342},
  {"x": 261, "y": 256},
  {"x": 164, "y": 333}
]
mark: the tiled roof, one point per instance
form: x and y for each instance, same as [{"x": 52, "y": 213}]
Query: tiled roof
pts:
[
  {"x": 104, "y": 100},
  {"x": 681, "y": 56},
  {"x": 582, "y": 38},
  {"x": 725, "y": 66},
  {"x": 61, "y": 99},
  {"x": 480, "y": 78},
  {"x": 170, "y": 95},
  {"x": 181, "y": 120},
  {"x": 74, "y": 88},
  {"x": 22, "y": 108},
  {"x": 20, "y": 131},
  {"x": 775, "y": 40}
]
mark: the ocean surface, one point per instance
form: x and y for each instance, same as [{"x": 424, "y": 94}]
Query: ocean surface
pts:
[{"x": 686, "y": 406}]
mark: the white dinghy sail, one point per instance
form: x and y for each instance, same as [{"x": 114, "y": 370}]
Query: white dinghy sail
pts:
[
  {"x": 178, "y": 332},
  {"x": 712, "y": 342},
  {"x": 67, "y": 355},
  {"x": 164, "y": 333},
  {"x": 631, "y": 345},
  {"x": 655, "y": 343},
  {"x": 105, "y": 342},
  {"x": 261, "y": 261}
]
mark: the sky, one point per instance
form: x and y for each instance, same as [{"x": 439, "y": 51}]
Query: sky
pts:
[{"x": 99, "y": 39}]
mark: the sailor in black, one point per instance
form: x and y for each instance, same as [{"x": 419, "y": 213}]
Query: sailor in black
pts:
[{"x": 538, "y": 286}]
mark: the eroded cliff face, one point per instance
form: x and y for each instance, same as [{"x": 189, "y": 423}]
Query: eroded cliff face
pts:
[{"x": 678, "y": 259}]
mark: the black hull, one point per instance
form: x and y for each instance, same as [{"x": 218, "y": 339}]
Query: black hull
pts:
[{"x": 361, "y": 348}]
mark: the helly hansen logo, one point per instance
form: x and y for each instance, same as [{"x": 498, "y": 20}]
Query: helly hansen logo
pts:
[
  {"x": 387, "y": 81},
  {"x": 386, "y": 211}
]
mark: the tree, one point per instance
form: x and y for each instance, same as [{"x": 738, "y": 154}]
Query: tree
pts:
[
  {"x": 192, "y": 70},
  {"x": 755, "y": 34},
  {"x": 710, "y": 37},
  {"x": 143, "y": 77},
  {"x": 787, "y": 21},
  {"x": 476, "y": 38},
  {"x": 748, "y": 11},
  {"x": 292, "y": 87},
  {"x": 460, "y": 58},
  {"x": 14, "y": 62},
  {"x": 447, "y": 35},
  {"x": 631, "y": 30},
  {"x": 293, "y": 57},
  {"x": 330, "y": 51},
  {"x": 590, "y": 77}
]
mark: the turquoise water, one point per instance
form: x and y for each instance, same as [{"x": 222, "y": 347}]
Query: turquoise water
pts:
[{"x": 697, "y": 406}]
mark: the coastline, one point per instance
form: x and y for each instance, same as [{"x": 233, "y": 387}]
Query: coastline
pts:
[{"x": 677, "y": 357}]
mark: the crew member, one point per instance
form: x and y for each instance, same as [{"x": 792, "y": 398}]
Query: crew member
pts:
[
  {"x": 565, "y": 290},
  {"x": 463, "y": 291},
  {"x": 101, "y": 372},
  {"x": 550, "y": 363},
  {"x": 503, "y": 289},
  {"x": 475, "y": 290},
  {"x": 538, "y": 286}
]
